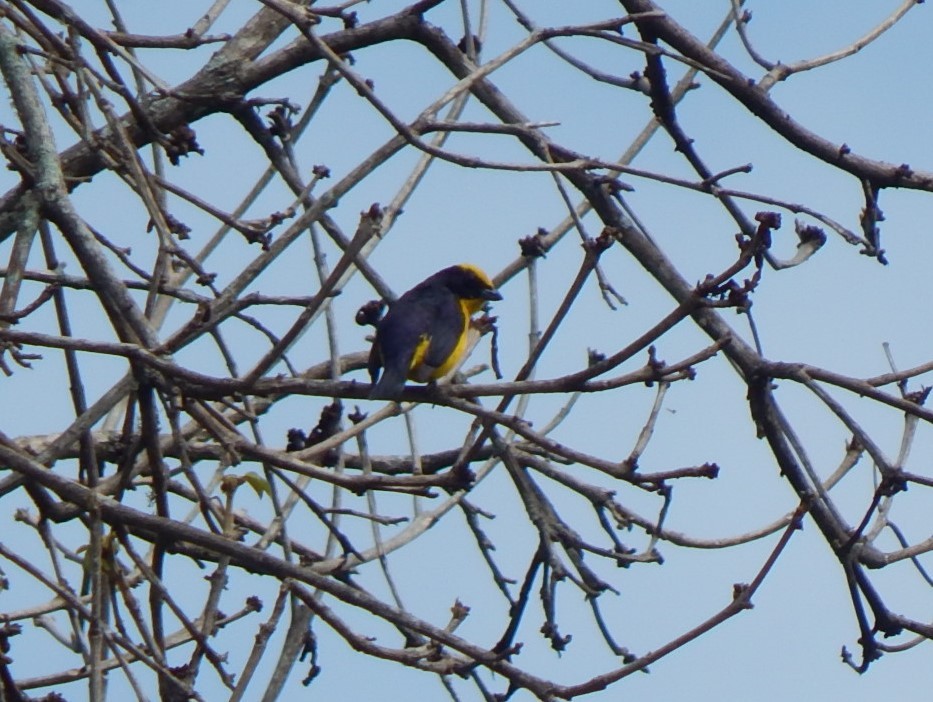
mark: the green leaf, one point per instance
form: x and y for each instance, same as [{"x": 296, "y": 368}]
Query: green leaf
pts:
[{"x": 257, "y": 482}]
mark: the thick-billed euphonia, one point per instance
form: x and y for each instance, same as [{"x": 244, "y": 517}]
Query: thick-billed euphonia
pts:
[{"x": 423, "y": 336}]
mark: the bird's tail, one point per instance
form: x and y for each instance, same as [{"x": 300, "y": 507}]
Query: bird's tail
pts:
[{"x": 390, "y": 385}]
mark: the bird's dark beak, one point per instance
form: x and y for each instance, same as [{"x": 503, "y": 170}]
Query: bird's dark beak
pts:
[{"x": 492, "y": 294}]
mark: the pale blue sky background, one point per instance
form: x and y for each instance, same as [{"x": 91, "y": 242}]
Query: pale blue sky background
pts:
[{"x": 835, "y": 311}]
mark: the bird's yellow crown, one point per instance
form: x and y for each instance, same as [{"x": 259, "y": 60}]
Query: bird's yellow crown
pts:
[{"x": 478, "y": 272}]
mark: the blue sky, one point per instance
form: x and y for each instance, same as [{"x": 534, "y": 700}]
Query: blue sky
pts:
[{"x": 835, "y": 311}]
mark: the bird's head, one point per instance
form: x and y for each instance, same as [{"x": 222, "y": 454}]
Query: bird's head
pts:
[{"x": 469, "y": 282}]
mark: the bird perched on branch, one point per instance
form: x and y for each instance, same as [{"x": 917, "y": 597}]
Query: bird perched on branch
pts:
[{"x": 424, "y": 335}]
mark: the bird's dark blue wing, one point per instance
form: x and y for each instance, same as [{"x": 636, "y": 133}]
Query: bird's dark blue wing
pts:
[{"x": 446, "y": 331}]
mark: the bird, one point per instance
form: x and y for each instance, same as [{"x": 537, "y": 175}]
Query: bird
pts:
[{"x": 423, "y": 336}]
